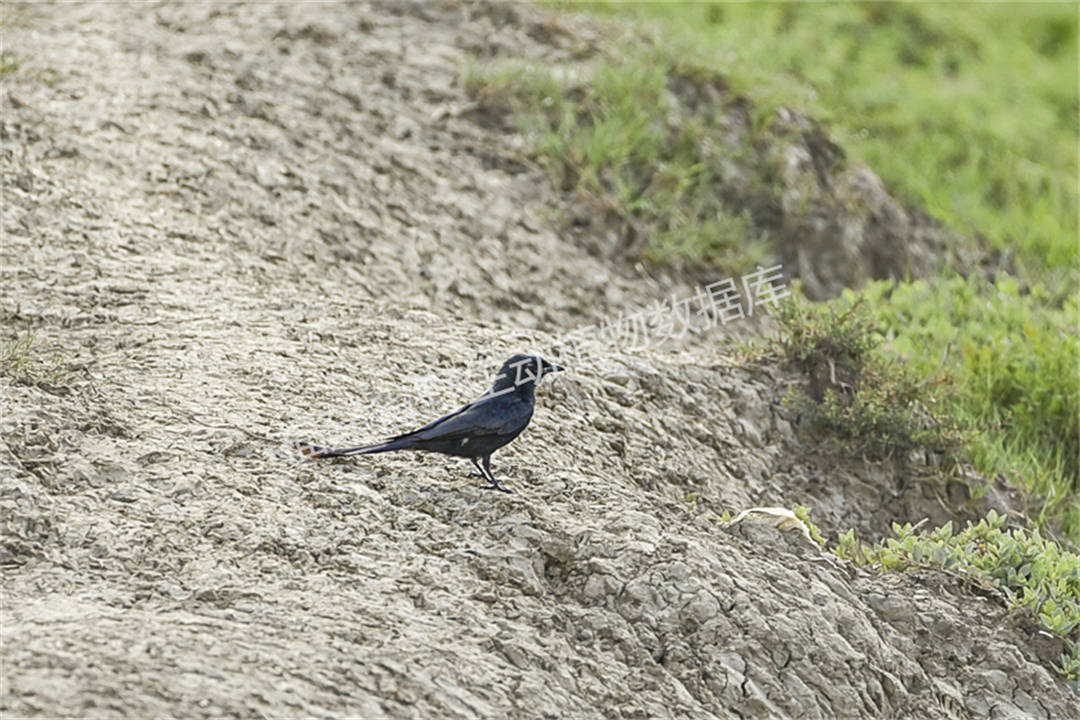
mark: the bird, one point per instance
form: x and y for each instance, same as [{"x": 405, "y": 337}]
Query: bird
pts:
[{"x": 474, "y": 431}]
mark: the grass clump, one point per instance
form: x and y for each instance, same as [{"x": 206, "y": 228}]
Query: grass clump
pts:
[
  {"x": 9, "y": 63},
  {"x": 18, "y": 362},
  {"x": 874, "y": 407},
  {"x": 621, "y": 137},
  {"x": 1028, "y": 570}
]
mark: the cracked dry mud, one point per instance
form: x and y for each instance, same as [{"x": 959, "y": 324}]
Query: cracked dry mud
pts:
[{"x": 232, "y": 226}]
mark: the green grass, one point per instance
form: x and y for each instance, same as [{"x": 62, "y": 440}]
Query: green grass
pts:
[
  {"x": 8, "y": 63},
  {"x": 612, "y": 137},
  {"x": 969, "y": 110},
  {"x": 20, "y": 361},
  {"x": 967, "y": 370},
  {"x": 1015, "y": 364}
]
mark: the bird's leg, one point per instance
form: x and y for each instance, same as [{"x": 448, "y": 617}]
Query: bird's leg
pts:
[
  {"x": 479, "y": 470},
  {"x": 491, "y": 478}
]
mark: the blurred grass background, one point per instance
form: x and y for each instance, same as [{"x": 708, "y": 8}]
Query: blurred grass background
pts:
[{"x": 968, "y": 111}]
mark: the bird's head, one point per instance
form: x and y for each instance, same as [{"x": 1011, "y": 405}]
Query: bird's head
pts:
[{"x": 522, "y": 372}]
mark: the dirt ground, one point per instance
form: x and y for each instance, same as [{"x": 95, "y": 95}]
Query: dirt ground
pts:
[{"x": 231, "y": 226}]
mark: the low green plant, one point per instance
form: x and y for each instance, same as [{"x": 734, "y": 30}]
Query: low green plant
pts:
[
  {"x": 1026, "y": 568},
  {"x": 15, "y": 355},
  {"x": 803, "y": 513},
  {"x": 8, "y": 63},
  {"x": 874, "y": 407},
  {"x": 18, "y": 362}
]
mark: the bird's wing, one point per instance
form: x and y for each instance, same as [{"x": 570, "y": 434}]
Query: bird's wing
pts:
[
  {"x": 435, "y": 423},
  {"x": 487, "y": 416}
]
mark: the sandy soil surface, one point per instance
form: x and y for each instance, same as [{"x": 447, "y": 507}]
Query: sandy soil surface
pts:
[{"x": 232, "y": 226}]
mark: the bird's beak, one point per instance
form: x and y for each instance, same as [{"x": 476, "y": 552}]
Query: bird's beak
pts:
[{"x": 552, "y": 367}]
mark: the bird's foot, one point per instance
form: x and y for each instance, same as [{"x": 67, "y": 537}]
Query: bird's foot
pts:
[{"x": 497, "y": 486}]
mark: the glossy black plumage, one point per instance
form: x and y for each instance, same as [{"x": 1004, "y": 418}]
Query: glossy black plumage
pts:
[{"x": 476, "y": 430}]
